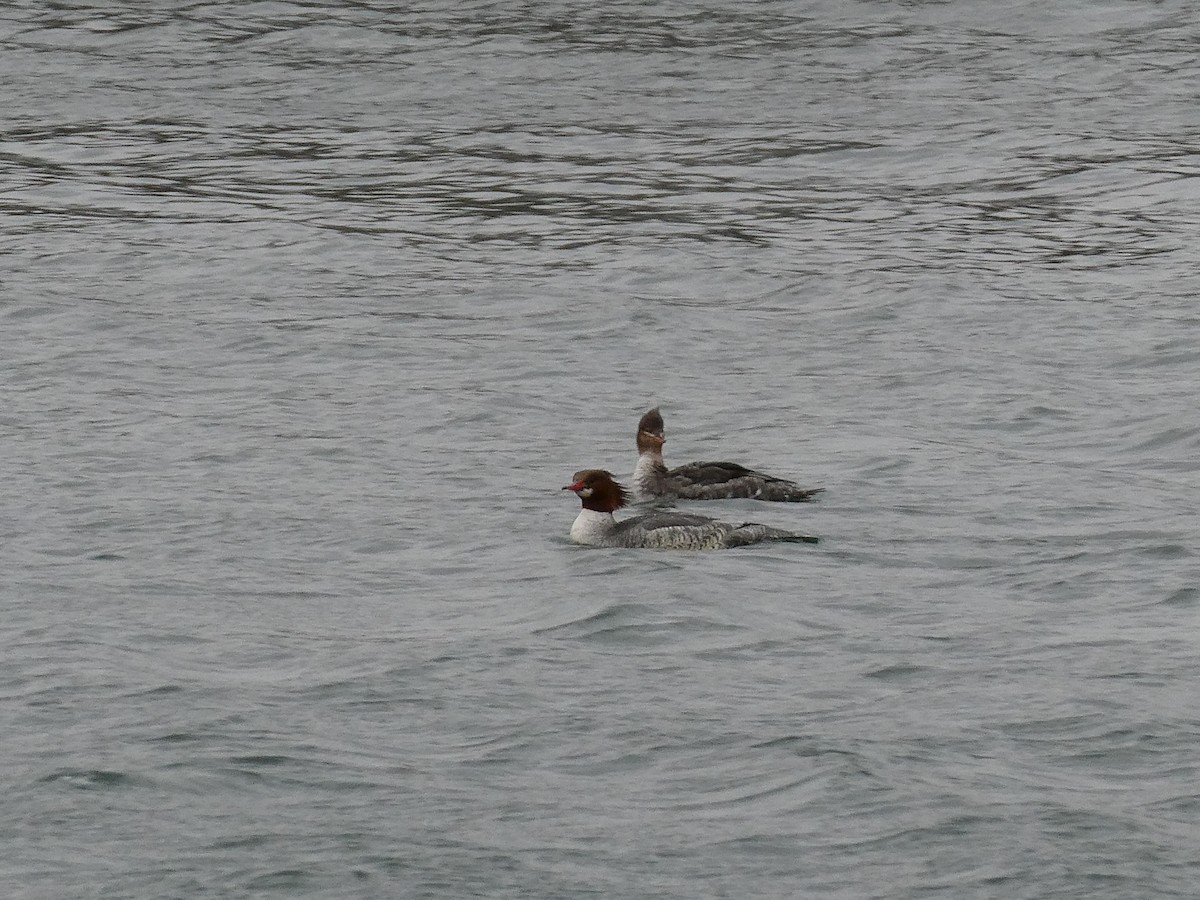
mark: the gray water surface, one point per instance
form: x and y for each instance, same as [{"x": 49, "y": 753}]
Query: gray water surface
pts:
[{"x": 308, "y": 311}]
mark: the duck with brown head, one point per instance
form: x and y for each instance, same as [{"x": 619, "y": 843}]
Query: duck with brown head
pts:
[
  {"x": 703, "y": 480},
  {"x": 600, "y": 495}
]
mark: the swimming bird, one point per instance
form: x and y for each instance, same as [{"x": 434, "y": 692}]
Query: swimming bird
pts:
[
  {"x": 703, "y": 480},
  {"x": 595, "y": 526}
]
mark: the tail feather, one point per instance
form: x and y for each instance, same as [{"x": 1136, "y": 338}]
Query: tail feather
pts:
[
  {"x": 753, "y": 533},
  {"x": 798, "y": 538},
  {"x": 790, "y": 493}
]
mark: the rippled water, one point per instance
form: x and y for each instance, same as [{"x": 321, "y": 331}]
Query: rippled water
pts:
[{"x": 307, "y": 311}]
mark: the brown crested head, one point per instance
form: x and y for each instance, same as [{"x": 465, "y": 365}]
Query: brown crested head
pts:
[
  {"x": 650, "y": 436},
  {"x": 597, "y": 489}
]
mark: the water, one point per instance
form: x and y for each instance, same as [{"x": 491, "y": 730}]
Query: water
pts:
[{"x": 307, "y": 312}]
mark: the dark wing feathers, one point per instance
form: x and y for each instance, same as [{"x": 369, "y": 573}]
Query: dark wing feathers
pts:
[
  {"x": 663, "y": 519},
  {"x": 726, "y": 480},
  {"x": 714, "y": 472}
]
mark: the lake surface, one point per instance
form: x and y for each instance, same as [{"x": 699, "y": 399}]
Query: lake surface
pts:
[{"x": 307, "y": 311}]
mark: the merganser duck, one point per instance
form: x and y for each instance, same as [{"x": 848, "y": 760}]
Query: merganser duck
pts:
[
  {"x": 601, "y": 496},
  {"x": 703, "y": 480}
]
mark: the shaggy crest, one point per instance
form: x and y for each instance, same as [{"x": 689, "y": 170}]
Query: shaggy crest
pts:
[
  {"x": 598, "y": 490},
  {"x": 650, "y": 436},
  {"x": 651, "y": 423}
]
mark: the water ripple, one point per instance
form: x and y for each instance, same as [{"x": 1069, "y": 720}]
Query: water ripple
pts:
[{"x": 308, "y": 312}]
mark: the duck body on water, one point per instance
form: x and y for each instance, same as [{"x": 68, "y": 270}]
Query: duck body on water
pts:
[
  {"x": 595, "y": 526},
  {"x": 703, "y": 480}
]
